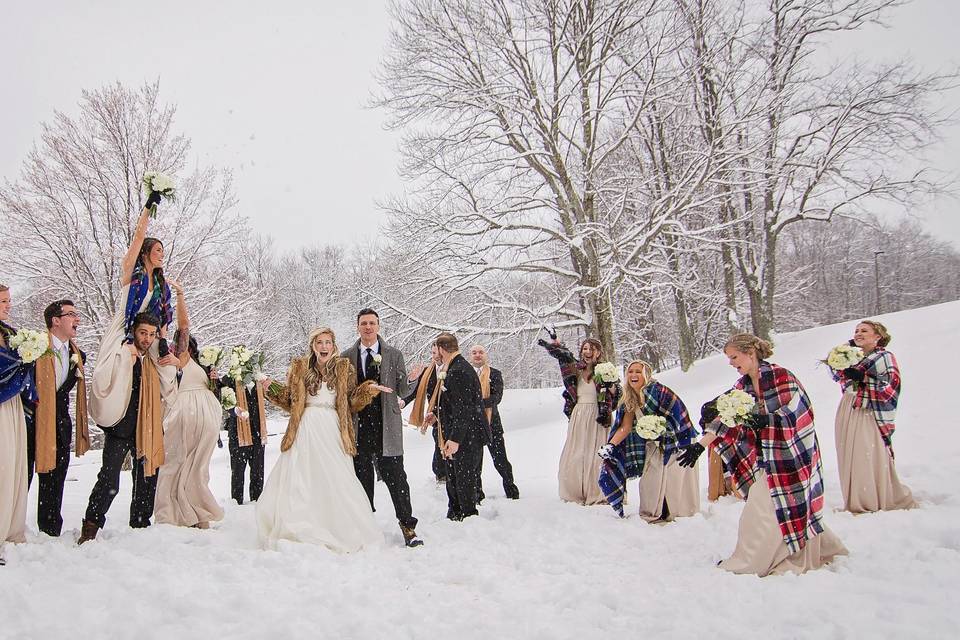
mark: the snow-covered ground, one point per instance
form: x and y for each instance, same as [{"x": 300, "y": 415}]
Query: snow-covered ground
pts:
[{"x": 536, "y": 567}]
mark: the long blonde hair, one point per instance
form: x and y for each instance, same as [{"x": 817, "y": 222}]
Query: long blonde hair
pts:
[
  {"x": 317, "y": 374},
  {"x": 632, "y": 399}
]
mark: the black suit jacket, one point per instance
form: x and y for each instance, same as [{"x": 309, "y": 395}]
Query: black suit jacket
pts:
[
  {"x": 431, "y": 384},
  {"x": 461, "y": 405},
  {"x": 496, "y": 395}
]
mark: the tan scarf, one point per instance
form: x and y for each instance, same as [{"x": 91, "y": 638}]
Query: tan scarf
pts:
[
  {"x": 150, "y": 419},
  {"x": 485, "y": 389},
  {"x": 45, "y": 415},
  {"x": 417, "y": 413},
  {"x": 244, "y": 434}
]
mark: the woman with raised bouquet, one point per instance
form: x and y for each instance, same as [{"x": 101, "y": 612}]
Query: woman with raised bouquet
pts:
[
  {"x": 190, "y": 432},
  {"x": 870, "y": 381},
  {"x": 591, "y": 391},
  {"x": 650, "y": 425},
  {"x": 764, "y": 433}
]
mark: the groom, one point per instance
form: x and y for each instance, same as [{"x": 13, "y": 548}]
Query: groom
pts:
[{"x": 379, "y": 425}]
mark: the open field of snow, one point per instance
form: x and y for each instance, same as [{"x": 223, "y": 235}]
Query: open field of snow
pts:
[{"x": 536, "y": 567}]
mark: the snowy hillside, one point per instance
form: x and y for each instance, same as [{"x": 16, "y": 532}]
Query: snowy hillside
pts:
[{"x": 536, "y": 567}]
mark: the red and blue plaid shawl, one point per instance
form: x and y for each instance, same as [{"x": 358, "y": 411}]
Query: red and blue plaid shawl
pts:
[
  {"x": 880, "y": 390},
  {"x": 630, "y": 456},
  {"x": 570, "y": 369},
  {"x": 788, "y": 451}
]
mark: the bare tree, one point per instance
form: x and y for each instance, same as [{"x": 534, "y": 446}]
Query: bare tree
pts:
[{"x": 74, "y": 209}]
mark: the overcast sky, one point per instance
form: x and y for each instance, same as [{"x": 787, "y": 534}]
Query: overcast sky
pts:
[{"x": 276, "y": 91}]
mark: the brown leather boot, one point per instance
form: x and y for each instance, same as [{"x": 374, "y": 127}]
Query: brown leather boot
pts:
[
  {"x": 88, "y": 532},
  {"x": 410, "y": 537}
]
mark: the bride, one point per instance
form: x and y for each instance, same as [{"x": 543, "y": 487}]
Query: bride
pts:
[{"x": 312, "y": 494}]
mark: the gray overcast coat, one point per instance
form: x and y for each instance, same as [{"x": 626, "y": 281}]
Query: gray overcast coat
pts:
[{"x": 393, "y": 374}]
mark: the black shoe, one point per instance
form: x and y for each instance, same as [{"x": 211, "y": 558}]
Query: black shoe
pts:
[
  {"x": 512, "y": 492},
  {"x": 410, "y": 537}
]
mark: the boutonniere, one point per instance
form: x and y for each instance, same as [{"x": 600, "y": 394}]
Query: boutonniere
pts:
[
  {"x": 78, "y": 365},
  {"x": 441, "y": 376},
  {"x": 377, "y": 359}
]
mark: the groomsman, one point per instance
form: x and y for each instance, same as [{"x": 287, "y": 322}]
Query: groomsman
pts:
[
  {"x": 424, "y": 398},
  {"x": 491, "y": 389},
  {"x": 462, "y": 428},
  {"x": 139, "y": 431},
  {"x": 246, "y": 437},
  {"x": 49, "y": 427},
  {"x": 379, "y": 425}
]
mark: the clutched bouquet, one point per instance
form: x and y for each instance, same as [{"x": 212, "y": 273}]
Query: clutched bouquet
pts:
[
  {"x": 843, "y": 356},
  {"x": 734, "y": 406},
  {"x": 156, "y": 182},
  {"x": 29, "y": 344},
  {"x": 650, "y": 427},
  {"x": 605, "y": 374},
  {"x": 228, "y": 401}
]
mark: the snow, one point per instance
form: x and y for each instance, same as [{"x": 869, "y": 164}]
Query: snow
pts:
[{"x": 536, "y": 567}]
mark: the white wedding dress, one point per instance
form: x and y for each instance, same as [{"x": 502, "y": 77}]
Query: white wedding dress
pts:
[{"x": 313, "y": 494}]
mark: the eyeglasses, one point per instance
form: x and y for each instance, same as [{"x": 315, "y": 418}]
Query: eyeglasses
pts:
[{"x": 69, "y": 314}]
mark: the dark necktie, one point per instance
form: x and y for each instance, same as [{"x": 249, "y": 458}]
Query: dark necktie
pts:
[{"x": 367, "y": 362}]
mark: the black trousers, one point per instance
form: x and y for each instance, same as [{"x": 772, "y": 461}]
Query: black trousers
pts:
[
  {"x": 438, "y": 464},
  {"x": 463, "y": 481},
  {"x": 498, "y": 451},
  {"x": 108, "y": 483},
  {"x": 31, "y": 450},
  {"x": 50, "y": 494},
  {"x": 393, "y": 475},
  {"x": 240, "y": 457}
]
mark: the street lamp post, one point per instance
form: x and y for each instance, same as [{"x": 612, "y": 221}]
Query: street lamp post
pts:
[{"x": 876, "y": 277}]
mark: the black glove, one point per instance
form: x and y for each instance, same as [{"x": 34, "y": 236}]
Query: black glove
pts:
[
  {"x": 543, "y": 343},
  {"x": 755, "y": 421},
  {"x": 852, "y": 342},
  {"x": 163, "y": 347},
  {"x": 708, "y": 413},
  {"x": 852, "y": 373},
  {"x": 550, "y": 331},
  {"x": 688, "y": 455},
  {"x": 153, "y": 199}
]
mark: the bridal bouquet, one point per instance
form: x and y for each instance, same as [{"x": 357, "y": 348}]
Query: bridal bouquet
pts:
[
  {"x": 734, "y": 406},
  {"x": 154, "y": 181},
  {"x": 210, "y": 357},
  {"x": 843, "y": 356},
  {"x": 30, "y": 344},
  {"x": 650, "y": 427}
]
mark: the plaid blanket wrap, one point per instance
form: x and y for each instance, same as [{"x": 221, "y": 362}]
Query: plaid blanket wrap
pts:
[
  {"x": 630, "y": 456},
  {"x": 16, "y": 378},
  {"x": 880, "y": 390},
  {"x": 570, "y": 369},
  {"x": 787, "y": 450}
]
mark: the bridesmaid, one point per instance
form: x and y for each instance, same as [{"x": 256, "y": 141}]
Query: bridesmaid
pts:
[
  {"x": 15, "y": 377},
  {"x": 774, "y": 458},
  {"x": 865, "y": 425},
  {"x": 191, "y": 428},
  {"x": 589, "y": 407},
  {"x": 667, "y": 490}
]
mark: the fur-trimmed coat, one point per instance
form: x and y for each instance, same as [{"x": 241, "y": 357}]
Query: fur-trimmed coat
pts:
[{"x": 351, "y": 398}]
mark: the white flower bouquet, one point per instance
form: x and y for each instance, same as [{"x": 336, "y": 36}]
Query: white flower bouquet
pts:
[
  {"x": 30, "y": 344},
  {"x": 650, "y": 427},
  {"x": 606, "y": 373},
  {"x": 734, "y": 406},
  {"x": 228, "y": 399},
  {"x": 154, "y": 181},
  {"x": 843, "y": 356}
]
